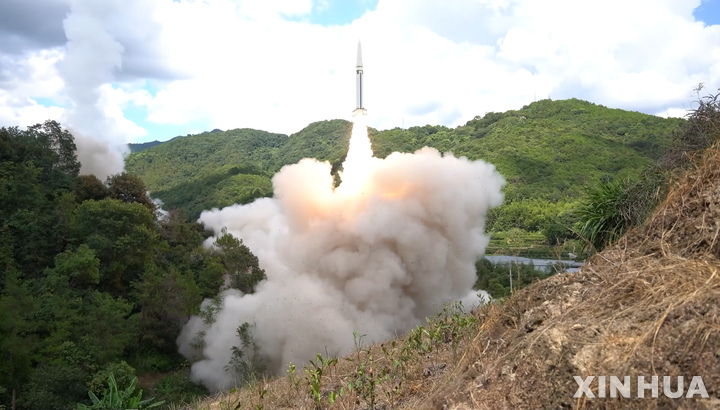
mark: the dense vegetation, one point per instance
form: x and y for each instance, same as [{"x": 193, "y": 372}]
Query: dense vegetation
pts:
[
  {"x": 95, "y": 284},
  {"x": 141, "y": 146},
  {"x": 92, "y": 283},
  {"x": 549, "y": 151},
  {"x": 613, "y": 207}
]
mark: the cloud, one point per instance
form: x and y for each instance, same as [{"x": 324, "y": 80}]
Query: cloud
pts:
[
  {"x": 242, "y": 63},
  {"x": 25, "y": 112},
  {"x": 23, "y": 81},
  {"x": 33, "y": 75},
  {"x": 472, "y": 56},
  {"x": 31, "y": 25},
  {"x": 424, "y": 108},
  {"x": 259, "y": 9},
  {"x": 94, "y": 54}
]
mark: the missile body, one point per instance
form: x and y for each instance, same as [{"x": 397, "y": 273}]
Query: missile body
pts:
[{"x": 359, "y": 109}]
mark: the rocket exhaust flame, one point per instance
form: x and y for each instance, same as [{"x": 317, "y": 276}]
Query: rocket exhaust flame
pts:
[
  {"x": 394, "y": 241},
  {"x": 359, "y": 162}
]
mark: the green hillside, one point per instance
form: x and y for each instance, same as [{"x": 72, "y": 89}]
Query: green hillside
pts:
[
  {"x": 143, "y": 146},
  {"x": 217, "y": 169},
  {"x": 549, "y": 150}
]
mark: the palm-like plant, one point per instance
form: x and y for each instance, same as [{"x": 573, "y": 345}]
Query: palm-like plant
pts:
[
  {"x": 116, "y": 399},
  {"x": 602, "y": 216}
]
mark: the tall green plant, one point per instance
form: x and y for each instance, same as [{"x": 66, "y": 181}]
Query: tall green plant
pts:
[
  {"x": 314, "y": 374},
  {"x": 246, "y": 363},
  {"x": 117, "y": 399},
  {"x": 601, "y": 215}
]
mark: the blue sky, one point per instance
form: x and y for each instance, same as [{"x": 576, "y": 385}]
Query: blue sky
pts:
[
  {"x": 338, "y": 12},
  {"x": 708, "y": 12}
]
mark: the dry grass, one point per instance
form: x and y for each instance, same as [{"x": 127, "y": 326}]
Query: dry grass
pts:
[{"x": 650, "y": 305}]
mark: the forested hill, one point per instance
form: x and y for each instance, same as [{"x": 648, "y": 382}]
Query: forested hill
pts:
[
  {"x": 218, "y": 169},
  {"x": 549, "y": 149},
  {"x": 137, "y": 147}
]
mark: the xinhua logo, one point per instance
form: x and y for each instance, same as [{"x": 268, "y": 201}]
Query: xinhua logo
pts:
[{"x": 617, "y": 388}]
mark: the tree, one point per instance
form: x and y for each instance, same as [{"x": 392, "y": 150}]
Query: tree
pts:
[
  {"x": 123, "y": 373},
  {"x": 52, "y": 138},
  {"x": 81, "y": 267},
  {"x": 122, "y": 235},
  {"x": 16, "y": 341},
  {"x": 165, "y": 299},
  {"x": 246, "y": 362},
  {"x": 130, "y": 189},
  {"x": 90, "y": 187},
  {"x": 210, "y": 278},
  {"x": 241, "y": 266},
  {"x": 7, "y": 260},
  {"x": 48, "y": 147}
]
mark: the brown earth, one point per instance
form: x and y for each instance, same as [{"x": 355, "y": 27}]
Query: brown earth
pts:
[{"x": 650, "y": 305}]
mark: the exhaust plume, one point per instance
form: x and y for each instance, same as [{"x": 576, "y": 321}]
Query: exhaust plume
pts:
[
  {"x": 99, "y": 157},
  {"x": 91, "y": 59},
  {"x": 387, "y": 248}
]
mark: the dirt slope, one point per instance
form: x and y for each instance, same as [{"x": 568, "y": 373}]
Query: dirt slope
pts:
[{"x": 648, "y": 306}]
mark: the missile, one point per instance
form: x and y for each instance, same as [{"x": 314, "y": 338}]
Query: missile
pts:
[{"x": 359, "y": 109}]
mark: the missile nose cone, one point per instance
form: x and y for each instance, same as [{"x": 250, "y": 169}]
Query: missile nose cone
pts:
[{"x": 359, "y": 57}]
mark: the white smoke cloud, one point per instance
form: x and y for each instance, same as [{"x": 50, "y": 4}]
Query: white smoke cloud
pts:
[
  {"x": 99, "y": 157},
  {"x": 160, "y": 213},
  {"x": 377, "y": 257},
  {"x": 92, "y": 57}
]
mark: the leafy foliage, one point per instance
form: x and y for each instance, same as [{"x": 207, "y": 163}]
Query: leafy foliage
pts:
[
  {"x": 91, "y": 281},
  {"x": 116, "y": 398},
  {"x": 246, "y": 363},
  {"x": 549, "y": 150},
  {"x": 242, "y": 267},
  {"x": 177, "y": 387},
  {"x": 90, "y": 187},
  {"x": 602, "y": 215},
  {"x": 130, "y": 189},
  {"x": 615, "y": 206}
]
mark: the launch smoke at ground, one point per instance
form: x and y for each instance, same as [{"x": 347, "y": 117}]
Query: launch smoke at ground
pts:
[{"x": 397, "y": 239}]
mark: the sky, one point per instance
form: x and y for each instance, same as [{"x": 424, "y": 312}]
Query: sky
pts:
[{"x": 140, "y": 70}]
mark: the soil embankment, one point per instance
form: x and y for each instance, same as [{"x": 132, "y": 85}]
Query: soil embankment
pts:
[{"x": 648, "y": 306}]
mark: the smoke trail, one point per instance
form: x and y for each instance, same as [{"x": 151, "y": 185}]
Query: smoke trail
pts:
[
  {"x": 397, "y": 239},
  {"x": 92, "y": 56}
]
